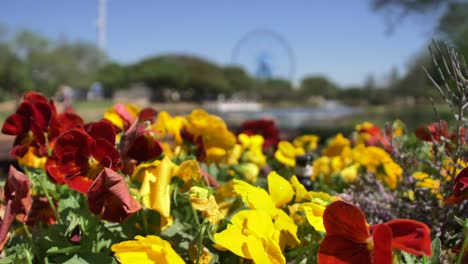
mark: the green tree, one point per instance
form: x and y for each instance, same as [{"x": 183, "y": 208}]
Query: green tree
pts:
[
  {"x": 160, "y": 74},
  {"x": 274, "y": 89},
  {"x": 206, "y": 79},
  {"x": 112, "y": 77},
  {"x": 318, "y": 85},
  {"x": 14, "y": 79},
  {"x": 238, "y": 80}
]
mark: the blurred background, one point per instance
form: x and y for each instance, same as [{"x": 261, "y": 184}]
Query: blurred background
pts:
[{"x": 313, "y": 66}]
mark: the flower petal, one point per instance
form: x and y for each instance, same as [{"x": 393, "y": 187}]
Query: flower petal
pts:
[
  {"x": 17, "y": 189},
  {"x": 337, "y": 249},
  {"x": 109, "y": 197},
  {"x": 233, "y": 240},
  {"x": 102, "y": 130},
  {"x": 382, "y": 244},
  {"x": 281, "y": 191},
  {"x": 314, "y": 213},
  {"x": 15, "y": 124},
  {"x": 411, "y": 236},
  {"x": 254, "y": 197},
  {"x": 346, "y": 220}
]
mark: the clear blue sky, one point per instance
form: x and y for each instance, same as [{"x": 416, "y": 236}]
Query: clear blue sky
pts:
[{"x": 343, "y": 40}]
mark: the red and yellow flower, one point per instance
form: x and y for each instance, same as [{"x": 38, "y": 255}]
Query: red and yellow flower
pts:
[{"x": 79, "y": 156}]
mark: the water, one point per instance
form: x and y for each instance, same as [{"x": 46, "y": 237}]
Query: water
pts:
[{"x": 291, "y": 118}]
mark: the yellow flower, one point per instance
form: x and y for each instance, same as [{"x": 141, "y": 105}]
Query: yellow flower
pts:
[
  {"x": 281, "y": 191},
  {"x": 299, "y": 189},
  {"x": 365, "y": 125},
  {"x": 294, "y": 213},
  {"x": 187, "y": 171},
  {"x": 213, "y": 131},
  {"x": 398, "y": 128},
  {"x": 314, "y": 214},
  {"x": 450, "y": 168},
  {"x": 254, "y": 197},
  {"x": 336, "y": 145},
  {"x": 234, "y": 155},
  {"x": 373, "y": 158},
  {"x": 155, "y": 188},
  {"x": 257, "y": 198},
  {"x": 112, "y": 115},
  {"x": 205, "y": 258},
  {"x": 149, "y": 249},
  {"x": 31, "y": 160},
  {"x": 392, "y": 175},
  {"x": 321, "y": 166},
  {"x": 287, "y": 152},
  {"x": 167, "y": 125},
  {"x": 155, "y": 179},
  {"x": 350, "y": 173},
  {"x": 249, "y": 171},
  {"x": 253, "y": 146},
  {"x": 214, "y": 154},
  {"x": 251, "y": 142},
  {"x": 322, "y": 198},
  {"x": 251, "y": 236},
  {"x": 203, "y": 201},
  {"x": 256, "y": 156},
  {"x": 426, "y": 182},
  {"x": 307, "y": 142}
]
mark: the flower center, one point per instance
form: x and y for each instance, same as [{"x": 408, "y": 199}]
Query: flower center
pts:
[
  {"x": 370, "y": 243},
  {"x": 94, "y": 168}
]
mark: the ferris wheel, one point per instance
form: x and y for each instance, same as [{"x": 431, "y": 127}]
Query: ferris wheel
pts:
[{"x": 265, "y": 54}]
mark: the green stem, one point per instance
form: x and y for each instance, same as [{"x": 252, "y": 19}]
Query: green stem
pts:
[
  {"x": 145, "y": 220},
  {"x": 195, "y": 215},
  {"x": 49, "y": 199},
  {"x": 96, "y": 238},
  {"x": 29, "y": 236},
  {"x": 200, "y": 242},
  {"x": 465, "y": 243}
]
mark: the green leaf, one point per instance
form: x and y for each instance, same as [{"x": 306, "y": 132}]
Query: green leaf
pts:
[
  {"x": 9, "y": 259},
  {"x": 57, "y": 250},
  {"x": 436, "y": 248},
  {"x": 85, "y": 258},
  {"x": 409, "y": 259},
  {"x": 176, "y": 228},
  {"x": 460, "y": 221},
  {"x": 213, "y": 170}
]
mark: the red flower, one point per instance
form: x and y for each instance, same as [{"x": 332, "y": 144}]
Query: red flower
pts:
[
  {"x": 109, "y": 197},
  {"x": 460, "y": 188},
  {"x": 376, "y": 137},
  {"x": 36, "y": 124},
  {"x": 30, "y": 124},
  {"x": 146, "y": 114},
  {"x": 264, "y": 127},
  {"x": 18, "y": 202},
  {"x": 349, "y": 240},
  {"x": 138, "y": 145},
  {"x": 433, "y": 132},
  {"x": 79, "y": 156},
  {"x": 41, "y": 212}
]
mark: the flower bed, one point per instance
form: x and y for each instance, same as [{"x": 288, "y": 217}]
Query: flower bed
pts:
[{"x": 142, "y": 186}]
